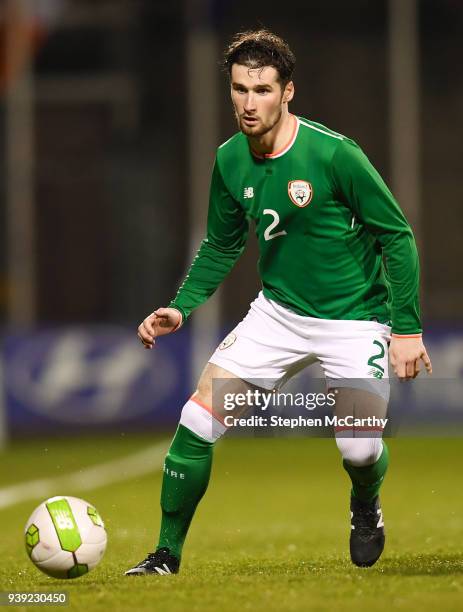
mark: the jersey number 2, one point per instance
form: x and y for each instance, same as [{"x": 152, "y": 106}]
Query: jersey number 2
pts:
[
  {"x": 380, "y": 355},
  {"x": 276, "y": 220}
]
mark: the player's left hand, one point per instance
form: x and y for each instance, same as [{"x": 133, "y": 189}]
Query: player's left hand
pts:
[{"x": 406, "y": 355}]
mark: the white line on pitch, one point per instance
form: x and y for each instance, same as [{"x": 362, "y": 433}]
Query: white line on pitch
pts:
[{"x": 100, "y": 475}]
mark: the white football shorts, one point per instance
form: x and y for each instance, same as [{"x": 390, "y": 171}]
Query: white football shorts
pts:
[{"x": 273, "y": 343}]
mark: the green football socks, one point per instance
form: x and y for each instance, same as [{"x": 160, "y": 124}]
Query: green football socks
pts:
[
  {"x": 187, "y": 470},
  {"x": 367, "y": 480},
  {"x": 186, "y": 475}
]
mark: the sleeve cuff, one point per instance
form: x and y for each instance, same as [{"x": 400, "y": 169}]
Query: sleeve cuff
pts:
[
  {"x": 182, "y": 317},
  {"x": 394, "y": 335}
]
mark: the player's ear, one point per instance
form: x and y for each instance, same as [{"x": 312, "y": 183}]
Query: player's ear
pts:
[{"x": 288, "y": 92}]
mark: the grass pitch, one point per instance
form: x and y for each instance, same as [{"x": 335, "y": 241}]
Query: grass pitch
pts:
[{"x": 271, "y": 533}]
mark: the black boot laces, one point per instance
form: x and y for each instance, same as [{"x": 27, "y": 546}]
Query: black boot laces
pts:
[
  {"x": 365, "y": 520},
  {"x": 153, "y": 558}
]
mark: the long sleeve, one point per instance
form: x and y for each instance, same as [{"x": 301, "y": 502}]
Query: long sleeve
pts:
[
  {"x": 360, "y": 186},
  {"x": 227, "y": 230}
]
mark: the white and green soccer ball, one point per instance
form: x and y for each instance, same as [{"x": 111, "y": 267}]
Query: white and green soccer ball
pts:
[{"x": 65, "y": 537}]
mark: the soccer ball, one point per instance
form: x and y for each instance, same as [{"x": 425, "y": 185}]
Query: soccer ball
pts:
[{"x": 65, "y": 537}]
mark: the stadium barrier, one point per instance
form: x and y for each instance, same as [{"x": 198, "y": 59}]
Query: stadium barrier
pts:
[{"x": 95, "y": 378}]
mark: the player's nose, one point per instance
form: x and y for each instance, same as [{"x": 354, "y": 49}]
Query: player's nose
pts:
[{"x": 249, "y": 103}]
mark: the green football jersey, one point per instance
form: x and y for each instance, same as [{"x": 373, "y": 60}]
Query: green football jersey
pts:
[{"x": 333, "y": 242}]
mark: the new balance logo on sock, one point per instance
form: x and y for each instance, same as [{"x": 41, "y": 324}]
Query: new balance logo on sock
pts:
[{"x": 173, "y": 473}]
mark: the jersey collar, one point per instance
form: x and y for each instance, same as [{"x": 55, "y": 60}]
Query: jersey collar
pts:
[{"x": 283, "y": 149}]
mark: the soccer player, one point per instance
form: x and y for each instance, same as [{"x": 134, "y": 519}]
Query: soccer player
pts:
[{"x": 340, "y": 278}]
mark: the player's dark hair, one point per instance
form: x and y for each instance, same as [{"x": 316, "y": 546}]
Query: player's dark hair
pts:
[{"x": 260, "y": 48}]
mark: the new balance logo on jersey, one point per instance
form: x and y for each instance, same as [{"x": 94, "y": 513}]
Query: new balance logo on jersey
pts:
[{"x": 248, "y": 192}]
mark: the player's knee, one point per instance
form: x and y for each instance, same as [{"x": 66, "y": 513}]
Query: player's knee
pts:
[
  {"x": 360, "y": 451},
  {"x": 198, "y": 419}
]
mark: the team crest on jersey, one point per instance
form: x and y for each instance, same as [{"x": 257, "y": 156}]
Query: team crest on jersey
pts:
[
  {"x": 229, "y": 340},
  {"x": 300, "y": 192}
]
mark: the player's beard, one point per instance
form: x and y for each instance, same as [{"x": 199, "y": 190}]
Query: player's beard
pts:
[{"x": 261, "y": 127}]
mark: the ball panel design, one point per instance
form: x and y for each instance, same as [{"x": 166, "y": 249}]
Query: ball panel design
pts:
[
  {"x": 48, "y": 542},
  {"x": 57, "y": 565},
  {"x": 78, "y": 570},
  {"x": 43, "y": 552},
  {"x": 65, "y": 537},
  {"x": 94, "y": 516},
  {"x": 86, "y": 516},
  {"x": 95, "y": 535},
  {"x": 91, "y": 554},
  {"x": 32, "y": 538},
  {"x": 65, "y": 524}
]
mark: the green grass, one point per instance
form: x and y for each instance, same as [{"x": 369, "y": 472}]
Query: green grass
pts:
[{"x": 271, "y": 533}]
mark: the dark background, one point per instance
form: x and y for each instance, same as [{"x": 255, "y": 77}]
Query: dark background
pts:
[{"x": 111, "y": 162}]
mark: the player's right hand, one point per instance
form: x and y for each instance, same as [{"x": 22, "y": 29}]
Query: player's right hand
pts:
[{"x": 159, "y": 323}]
